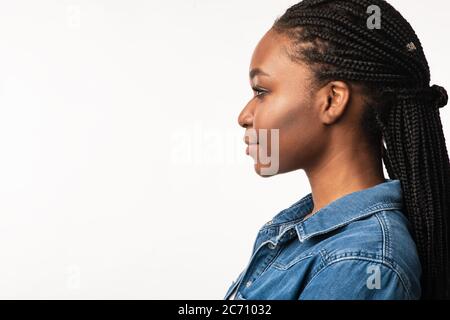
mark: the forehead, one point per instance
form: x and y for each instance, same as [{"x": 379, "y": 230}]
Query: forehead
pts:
[
  {"x": 270, "y": 51},
  {"x": 272, "y": 56}
]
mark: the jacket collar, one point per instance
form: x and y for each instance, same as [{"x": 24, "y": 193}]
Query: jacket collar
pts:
[{"x": 351, "y": 207}]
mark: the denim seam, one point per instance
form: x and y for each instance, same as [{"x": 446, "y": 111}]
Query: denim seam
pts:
[
  {"x": 281, "y": 224},
  {"x": 239, "y": 296},
  {"x": 384, "y": 263},
  {"x": 387, "y": 247},
  {"x": 388, "y": 235},
  {"x": 359, "y": 253},
  {"x": 370, "y": 210},
  {"x": 267, "y": 263},
  {"x": 383, "y": 218},
  {"x": 293, "y": 207},
  {"x": 295, "y": 261},
  {"x": 324, "y": 258},
  {"x": 270, "y": 262},
  {"x": 365, "y": 214},
  {"x": 244, "y": 272},
  {"x": 383, "y": 231}
]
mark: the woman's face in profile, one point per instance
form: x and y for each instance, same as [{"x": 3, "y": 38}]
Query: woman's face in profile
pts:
[{"x": 283, "y": 99}]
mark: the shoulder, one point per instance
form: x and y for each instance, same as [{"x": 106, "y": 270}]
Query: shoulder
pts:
[
  {"x": 377, "y": 248},
  {"x": 358, "y": 279}
]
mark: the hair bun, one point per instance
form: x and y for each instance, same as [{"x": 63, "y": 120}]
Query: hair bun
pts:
[
  {"x": 435, "y": 96},
  {"x": 440, "y": 96}
]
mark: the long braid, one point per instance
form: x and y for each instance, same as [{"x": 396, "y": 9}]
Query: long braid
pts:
[{"x": 402, "y": 110}]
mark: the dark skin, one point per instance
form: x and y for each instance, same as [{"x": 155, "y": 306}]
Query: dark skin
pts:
[{"x": 319, "y": 127}]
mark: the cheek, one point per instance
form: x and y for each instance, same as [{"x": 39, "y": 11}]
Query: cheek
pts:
[
  {"x": 300, "y": 143},
  {"x": 279, "y": 113},
  {"x": 298, "y": 137},
  {"x": 296, "y": 125}
]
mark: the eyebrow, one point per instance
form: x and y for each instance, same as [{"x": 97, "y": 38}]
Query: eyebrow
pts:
[{"x": 257, "y": 71}]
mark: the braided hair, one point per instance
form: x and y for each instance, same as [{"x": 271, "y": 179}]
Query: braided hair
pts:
[{"x": 401, "y": 109}]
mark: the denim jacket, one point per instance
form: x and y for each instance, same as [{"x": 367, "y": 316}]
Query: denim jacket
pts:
[{"x": 357, "y": 247}]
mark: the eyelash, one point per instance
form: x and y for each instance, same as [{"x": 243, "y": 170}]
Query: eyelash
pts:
[{"x": 258, "y": 90}]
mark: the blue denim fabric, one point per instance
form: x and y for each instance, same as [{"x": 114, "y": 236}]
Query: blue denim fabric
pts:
[{"x": 357, "y": 247}]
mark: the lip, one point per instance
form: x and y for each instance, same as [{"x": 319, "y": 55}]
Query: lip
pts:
[
  {"x": 247, "y": 140},
  {"x": 247, "y": 151}
]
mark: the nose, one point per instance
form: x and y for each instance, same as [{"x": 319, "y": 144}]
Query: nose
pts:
[{"x": 245, "y": 118}]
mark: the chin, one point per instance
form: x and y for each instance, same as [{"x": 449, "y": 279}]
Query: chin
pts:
[{"x": 266, "y": 171}]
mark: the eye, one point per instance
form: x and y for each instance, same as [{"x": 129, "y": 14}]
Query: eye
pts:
[{"x": 258, "y": 91}]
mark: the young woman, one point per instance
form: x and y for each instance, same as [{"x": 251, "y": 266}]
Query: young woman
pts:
[{"x": 346, "y": 94}]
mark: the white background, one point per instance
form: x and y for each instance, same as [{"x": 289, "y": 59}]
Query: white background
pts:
[{"x": 122, "y": 166}]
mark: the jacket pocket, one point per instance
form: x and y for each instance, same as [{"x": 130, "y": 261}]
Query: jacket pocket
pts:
[{"x": 285, "y": 264}]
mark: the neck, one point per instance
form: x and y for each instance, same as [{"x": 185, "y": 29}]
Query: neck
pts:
[{"x": 349, "y": 170}]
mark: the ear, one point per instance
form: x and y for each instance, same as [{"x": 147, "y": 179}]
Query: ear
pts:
[{"x": 334, "y": 99}]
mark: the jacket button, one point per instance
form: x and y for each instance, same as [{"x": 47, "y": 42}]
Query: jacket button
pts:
[
  {"x": 272, "y": 246},
  {"x": 248, "y": 284}
]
